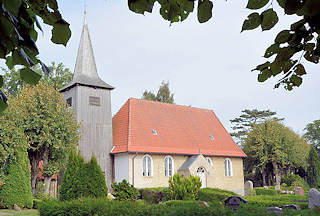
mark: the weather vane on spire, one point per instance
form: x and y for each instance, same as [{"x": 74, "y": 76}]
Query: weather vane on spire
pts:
[{"x": 85, "y": 12}]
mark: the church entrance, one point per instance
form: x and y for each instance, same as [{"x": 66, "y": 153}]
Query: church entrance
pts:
[{"x": 201, "y": 172}]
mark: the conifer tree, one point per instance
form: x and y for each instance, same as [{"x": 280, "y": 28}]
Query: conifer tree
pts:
[
  {"x": 82, "y": 179},
  {"x": 313, "y": 171},
  {"x": 17, "y": 187}
]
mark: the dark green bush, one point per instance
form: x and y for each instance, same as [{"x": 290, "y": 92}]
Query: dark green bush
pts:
[
  {"x": 17, "y": 187},
  {"x": 214, "y": 194},
  {"x": 124, "y": 191},
  {"x": 82, "y": 179},
  {"x": 263, "y": 191},
  {"x": 184, "y": 188},
  {"x": 293, "y": 180},
  {"x": 155, "y": 195}
]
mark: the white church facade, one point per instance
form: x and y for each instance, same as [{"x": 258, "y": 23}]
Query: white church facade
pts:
[{"x": 146, "y": 142}]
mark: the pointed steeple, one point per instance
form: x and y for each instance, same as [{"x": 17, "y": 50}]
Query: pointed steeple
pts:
[{"x": 85, "y": 71}]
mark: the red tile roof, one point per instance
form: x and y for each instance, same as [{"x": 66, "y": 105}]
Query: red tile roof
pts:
[{"x": 180, "y": 130}]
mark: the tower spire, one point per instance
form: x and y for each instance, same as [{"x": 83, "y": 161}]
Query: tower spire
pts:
[{"x": 85, "y": 70}]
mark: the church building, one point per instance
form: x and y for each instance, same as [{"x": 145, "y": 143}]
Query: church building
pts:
[{"x": 147, "y": 142}]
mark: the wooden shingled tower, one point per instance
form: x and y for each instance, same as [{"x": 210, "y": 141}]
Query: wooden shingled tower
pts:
[{"x": 90, "y": 97}]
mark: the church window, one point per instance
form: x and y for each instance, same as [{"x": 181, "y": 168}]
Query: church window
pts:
[
  {"x": 147, "y": 165},
  {"x": 168, "y": 166},
  {"x": 69, "y": 102},
  {"x": 154, "y": 132},
  {"x": 228, "y": 167},
  {"x": 209, "y": 161},
  {"x": 211, "y": 137},
  {"x": 94, "y": 101}
]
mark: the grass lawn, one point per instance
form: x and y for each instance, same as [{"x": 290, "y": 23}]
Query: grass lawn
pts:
[{"x": 30, "y": 212}]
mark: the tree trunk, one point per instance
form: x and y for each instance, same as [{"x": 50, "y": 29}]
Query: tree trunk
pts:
[
  {"x": 47, "y": 179},
  {"x": 34, "y": 173},
  {"x": 47, "y": 182},
  {"x": 264, "y": 183},
  {"x": 276, "y": 172}
]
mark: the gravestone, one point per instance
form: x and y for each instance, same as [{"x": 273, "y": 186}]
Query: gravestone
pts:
[
  {"x": 314, "y": 199},
  {"x": 248, "y": 188},
  {"x": 277, "y": 210},
  {"x": 265, "y": 187},
  {"x": 277, "y": 187},
  {"x": 299, "y": 191},
  {"x": 233, "y": 202}
]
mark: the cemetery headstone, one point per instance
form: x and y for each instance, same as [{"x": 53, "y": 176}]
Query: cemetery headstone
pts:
[{"x": 314, "y": 199}]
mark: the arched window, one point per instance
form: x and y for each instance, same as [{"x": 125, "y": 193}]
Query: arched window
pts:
[
  {"x": 168, "y": 166},
  {"x": 147, "y": 165},
  {"x": 209, "y": 161},
  {"x": 228, "y": 167}
]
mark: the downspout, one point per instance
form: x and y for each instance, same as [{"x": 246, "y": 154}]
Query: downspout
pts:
[{"x": 133, "y": 168}]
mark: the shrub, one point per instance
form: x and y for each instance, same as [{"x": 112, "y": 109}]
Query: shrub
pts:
[
  {"x": 155, "y": 195},
  {"x": 17, "y": 187},
  {"x": 184, "y": 188},
  {"x": 96, "y": 183},
  {"x": 292, "y": 179},
  {"x": 124, "y": 191},
  {"x": 82, "y": 179},
  {"x": 214, "y": 194},
  {"x": 263, "y": 191}
]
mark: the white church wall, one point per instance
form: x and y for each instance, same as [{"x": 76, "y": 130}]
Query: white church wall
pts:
[{"x": 121, "y": 167}]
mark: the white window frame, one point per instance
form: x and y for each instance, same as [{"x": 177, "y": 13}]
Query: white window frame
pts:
[
  {"x": 209, "y": 161},
  {"x": 146, "y": 170},
  {"x": 228, "y": 167},
  {"x": 166, "y": 166}
]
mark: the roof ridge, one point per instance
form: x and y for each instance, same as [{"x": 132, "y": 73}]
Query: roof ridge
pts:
[{"x": 169, "y": 104}]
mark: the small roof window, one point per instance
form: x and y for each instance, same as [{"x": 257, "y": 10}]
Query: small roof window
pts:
[
  {"x": 211, "y": 137},
  {"x": 154, "y": 132}
]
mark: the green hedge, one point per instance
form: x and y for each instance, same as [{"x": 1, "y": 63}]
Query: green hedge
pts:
[
  {"x": 92, "y": 207},
  {"x": 101, "y": 207},
  {"x": 214, "y": 194},
  {"x": 278, "y": 200},
  {"x": 263, "y": 191},
  {"x": 17, "y": 187}
]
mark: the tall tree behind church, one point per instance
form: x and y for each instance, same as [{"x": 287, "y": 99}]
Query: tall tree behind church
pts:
[
  {"x": 248, "y": 118},
  {"x": 163, "y": 95},
  {"x": 58, "y": 76}
]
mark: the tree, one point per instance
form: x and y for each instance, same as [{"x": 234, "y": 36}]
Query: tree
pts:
[
  {"x": 163, "y": 95},
  {"x": 50, "y": 128},
  {"x": 11, "y": 139},
  {"x": 275, "y": 150},
  {"x": 300, "y": 41},
  {"x": 313, "y": 133},
  {"x": 17, "y": 188},
  {"x": 18, "y": 35},
  {"x": 249, "y": 118},
  {"x": 82, "y": 179},
  {"x": 313, "y": 171},
  {"x": 59, "y": 76}
]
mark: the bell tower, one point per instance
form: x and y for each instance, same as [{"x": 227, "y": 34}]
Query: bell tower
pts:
[{"x": 90, "y": 97}]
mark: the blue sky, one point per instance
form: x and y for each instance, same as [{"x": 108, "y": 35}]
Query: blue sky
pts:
[{"x": 208, "y": 65}]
